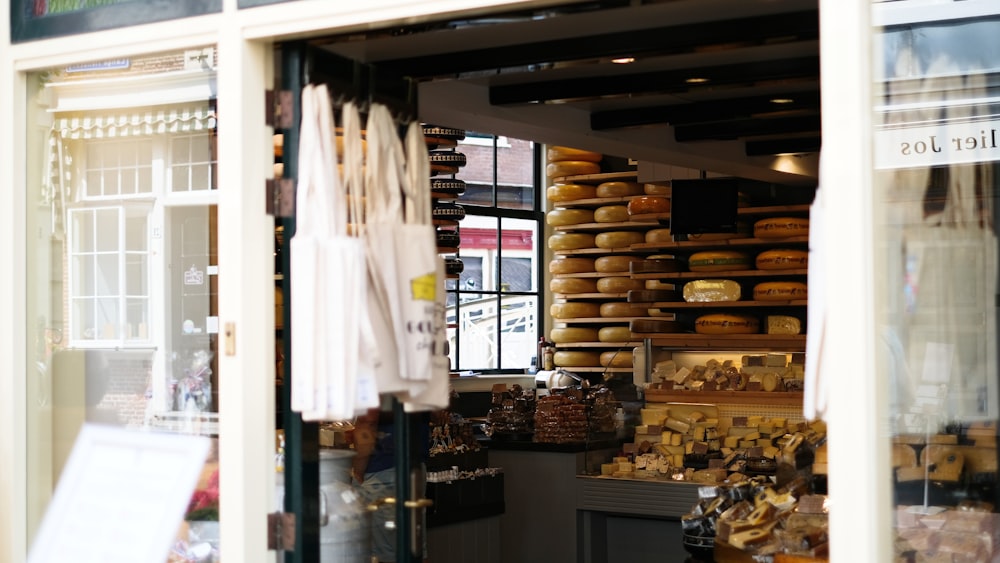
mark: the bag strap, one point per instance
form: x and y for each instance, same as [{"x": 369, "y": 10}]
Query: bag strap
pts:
[
  {"x": 353, "y": 183},
  {"x": 418, "y": 169},
  {"x": 384, "y": 174}
]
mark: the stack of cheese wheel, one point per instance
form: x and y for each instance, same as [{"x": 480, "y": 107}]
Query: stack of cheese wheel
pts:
[
  {"x": 781, "y": 227},
  {"x": 611, "y": 214},
  {"x": 620, "y": 310},
  {"x": 561, "y": 193},
  {"x": 573, "y": 285},
  {"x": 726, "y": 323},
  {"x": 571, "y": 241},
  {"x": 572, "y": 265},
  {"x": 780, "y": 291},
  {"x": 568, "y": 217},
  {"x": 615, "y": 264},
  {"x": 619, "y": 189},
  {"x": 573, "y": 334},
  {"x": 611, "y": 240},
  {"x": 575, "y": 310},
  {"x": 566, "y": 161},
  {"x": 782, "y": 259},
  {"x": 618, "y": 284},
  {"x": 719, "y": 260}
]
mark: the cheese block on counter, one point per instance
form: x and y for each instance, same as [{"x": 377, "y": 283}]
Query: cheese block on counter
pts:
[
  {"x": 571, "y": 265},
  {"x": 648, "y": 204},
  {"x": 654, "y": 326},
  {"x": 708, "y": 291},
  {"x": 654, "y": 236},
  {"x": 610, "y": 213},
  {"x": 783, "y": 324},
  {"x": 571, "y": 241},
  {"x": 570, "y": 192},
  {"x": 619, "y": 189},
  {"x": 781, "y": 227},
  {"x": 571, "y": 216},
  {"x": 571, "y": 334},
  {"x": 556, "y": 153},
  {"x": 574, "y": 310},
  {"x": 719, "y": 260},
  {"x": 618, "y": 284},
  {"x": 575, "y": 358},
  {"x": 573, "y": 285},
  {"x": 618, "y": 309},
  {"x": 780, "y": 291},
  {"x": 615, "y": 264},
  {"x": 614, "y": 334},
  {"x": 616, "y": 359},
  {"x": 563, "y": 168},
  {"x": 725, "y": 323},
  {"x": 618, "y": 239},
  {"x": 782, "y": 259}
]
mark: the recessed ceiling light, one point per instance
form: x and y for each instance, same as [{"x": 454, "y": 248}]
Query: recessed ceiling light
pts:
[
  {"x": 696, "y": 80},
  {"x": 623, "y": 60}
]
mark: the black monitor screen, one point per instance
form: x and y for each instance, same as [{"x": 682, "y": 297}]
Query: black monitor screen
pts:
[{"x": 703, "y": 206}]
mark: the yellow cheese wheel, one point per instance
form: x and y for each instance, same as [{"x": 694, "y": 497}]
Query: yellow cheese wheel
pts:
[
  {"x": 725, "y": 323},
  {"x": 614, "y": 334},
  {"x": 656, "y": 189},
  {"x": 780, "y": 227},
  {"x": 614, "y": 264},
  {"x": 573, "y": 285},
  {"x": 616, "y": 359},
  {"x": 659, "y": 235},
  {"x": 571, "y": 334},
  {"x": 569, "y": 192},
  {"x": 611, "y": 214},
  {"x": 648, "y": 204},
  {"x": 574, "y": 310},
  {"x": 780, "y": 291},
  {"x": 618, "y": 189},
  {"x": 719, "y": 260},
  {"x": 564, "y": 168},
  {"x": 620, "y": 309},
  {"x": 617, "y": 239},
  {"x": 618, "y": 284},
  {"x": 562, "y": 217},
  {"x": 576, "y": 359},
  {"x": 571, "y": 265},
  {"x": 782, "y": 259},
  {"x": 571, "y": 241},
  {"x": 556, "y": 153},
  {"x": 708, "y": 291}
]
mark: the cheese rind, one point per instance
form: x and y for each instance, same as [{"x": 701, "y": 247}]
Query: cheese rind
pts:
[
  {"x": 570, "y": 334},
  {"x": 571, "y": 241},
  {"x": 648, "y": 204},
  {"x": 618, "y": 284},
  {"x": 618, "y": 239},
  {"x": 618, "y": 189},
  {"x": 618, "y": 309},
  {"x": 573, "y": 285},
  {"x": 564, "y": 168},
  {"x": 616, "y": 359},
  {"x": 574, "y": 310},
  {"x": 571, "y": 265},
  {"x": 562, "y": 217},
  {"x": 558, "y": 153},
  {"x": 610, "y": 213},
  {"x": 565, "y": 358},
  {"x": 659, "y": 235},
  {"x": 614, "y": 334},
  {"x": 615, "y": 264},
  {"x": 706, "y": 291}
]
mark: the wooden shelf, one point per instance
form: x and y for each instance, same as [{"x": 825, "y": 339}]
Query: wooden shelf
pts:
[
  {"x": 611, "y": 296},
  {"x": 612, "y": 345},
  {"x": 709, "y": 342},
  {"x": 721, "y": 304},
  {"x": 796, "y": 210},
  {"x": 694, "y": 245},
  {"x": 776, "y": 398},
  {"x": 599, "y": 251},
  {"x": 620, "y": 225},
  {"x": 717, "y": 275},
  {"x": 599, "y": 178},
  {"x": 590, "y": 320},
  {"x": 593, "y": 275}
]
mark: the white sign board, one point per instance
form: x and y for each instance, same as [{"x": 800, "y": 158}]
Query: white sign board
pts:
[{"x": 937, "y": 144}]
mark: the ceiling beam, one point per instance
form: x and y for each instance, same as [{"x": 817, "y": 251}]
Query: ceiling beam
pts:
[{"x": 740, "y": 128}]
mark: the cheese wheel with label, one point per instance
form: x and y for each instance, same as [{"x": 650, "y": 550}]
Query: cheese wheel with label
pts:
[
  {"x": 782, "y": 259},
  {"x": 659, "y": 235},
  {"x": 617, "y": 239},
  {"x": 574, "y": 310},
  {"x": 780, "y": 291},
  {"x": 781, "y": 227},
  {"x": 619, "y": 309},
  {"x": 618, "y": 189},
  {"x": 565, "y": 168},
  {"x": 563, "y": 217},
  {"x": 614, "y": 334},
  {"x": 724, "y": 323},
  {"x": 616, "y": 359},
  {"x": 611, "y": 214},
  {"x": 719, "y": 260},
  {"x": 573, "y": 285},
  {"x": 648, "y": 204},
  {"x": 615, "y": 264},
  {"x": 571, "y": 265},
  {"x": 576, "y": 359},
  {"x": 556, "y": 153},
  {"x": 618, "y": 284},
  {"x": 569, "y": 192},
  {"x": 656, "y": 189},
  {"x": 572, "y": 334},
  {"x": 571, "y": 241},
  {"x": 711, "y": 291}
]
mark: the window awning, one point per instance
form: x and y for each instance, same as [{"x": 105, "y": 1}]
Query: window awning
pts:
[{"x": 135, "y": 123}]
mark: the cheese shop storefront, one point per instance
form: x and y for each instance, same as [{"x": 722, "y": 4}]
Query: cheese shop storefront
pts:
[{"x": 140, "y": 243}]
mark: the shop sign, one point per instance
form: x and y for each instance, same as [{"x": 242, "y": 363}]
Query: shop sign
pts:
[{"x": 953, "y": 142}]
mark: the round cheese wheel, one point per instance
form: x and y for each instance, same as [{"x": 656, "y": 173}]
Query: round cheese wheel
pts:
[
  {"x": 611, "y": 214},
  {"x": 614, "y": 334},
  {"x": 573, "y": 285},
  {"x": 556, "y": 153},
  {"x": 780, "y": 291},
  {"x": 659, "y": 235},
  {"x": 617, "y": 239},
  {"x": 564, "y": 168},
  {"x": 656, "y": 266},
  {"x": 769, "y": 381},
  {"x": 782, "y": 259},
  {"x": 562, "y": 217},
  {"x": 571, "y": 265},
  {"x": 618, "y": 189},
  {"x": 660, "y": 284},
  {"x": 656, "y": 189},
  {"x": 616, "y": 359},
  {"x": 619, "y": 309},
  {"x": 654, "y": 326},
  {"x": 719, "y": 260},
  {"x": 648, "y": 204},
  {"x": 617, "y": 284},
  {"x": 569, "y": 192},
  {"x": 653, "y": 296},
  {"x": 709, "y": 291},
  {"x": 615, "y": 264},
  {"x": 571, "y": 241},
  {"x": 725, "y": 323},
  {"x": 574, "y": 310},
  {"x": 781, "y": 227},
  {"x": 571, "y": 334},
  {"x": 576, "y": 359}
]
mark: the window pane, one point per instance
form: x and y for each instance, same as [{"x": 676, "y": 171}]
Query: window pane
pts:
[
  {"x": 135, "y": 232},
  {"x": 478, "y": 172},
  {"x": 94, "y": 183},
  {"x": 518, "y": 343},
  {"x": 137, "y": 319},
  {"x": 83, "y": 230},
  {"x": 107, "y": 275},
  {"x": 477, "y": 323},
  {"x": 83, "y": 268},
  {"x": 517, "y": 255},
  {"x": 83, "y": 319},
  {"x": 200, "y": 177},
  {"x": 136, "y": 274},
  {"x": 107, "y": 230},
  {"x": 515, "y": 173},
  {"x": 107, "y": 319}
]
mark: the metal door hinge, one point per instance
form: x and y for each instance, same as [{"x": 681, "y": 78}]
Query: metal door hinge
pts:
[{"x": 281, "y": 531}]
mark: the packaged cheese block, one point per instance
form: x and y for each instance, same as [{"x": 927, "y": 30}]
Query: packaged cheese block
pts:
[
  {"x": 617, "y": 284},
  {"x": 571, "y": 334},
  {"x": 782, "y": 259},
  {"x": 783, "y": 324},
  {"x": 709, "y": 291},
  {"x": 573, "y": 285},
  {"x": 618, "y": 189},
  {"x": 565, "y": 168},
  {"x": 656, "y": 189},
  {"x": 562, "y": 217},
  {"x": 781, "y": 227},
  {"x": 616, "y": 359},
  {"x": 614, "y": 334},
  {"x": 617, "y": 239},
  {"x": 574, "y": 310},
  {"x": 571, "y": 265},
  {"x": 569, "y": 192},
  {"x": 570, "y": 359},
  {"x": 611, "y": 213},
  {"x": 571, "y": 241},
  {"x": 648, "y": 204},
  {"x": 719, "y": 260},
  {"x": 647, "y": 326},
  {"x": 658, "y": 284},
  {"x": 615, "y": 264},
  {"x": 556, "y": 153},
  {"x": 654, "y": 236},
  {"x": 724, "y": 323},
  {"x": 617, "y": 309},
  {"x": 780, "y": 291},
  {"x": 653, "y": 295}
]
